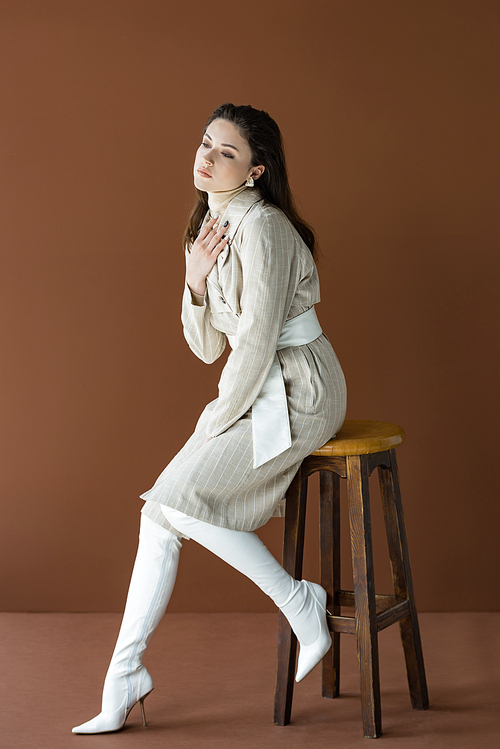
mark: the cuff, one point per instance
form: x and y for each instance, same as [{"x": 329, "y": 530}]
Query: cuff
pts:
[{"x": 197, "y": 299}]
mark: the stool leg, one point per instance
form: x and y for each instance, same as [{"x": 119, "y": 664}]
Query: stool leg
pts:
[
  {"x": 293, "y": 553},
  {"x": 403, "y": 585},
  {"x": 364, "y": 593},
  {"x": 329, "y": 498}
]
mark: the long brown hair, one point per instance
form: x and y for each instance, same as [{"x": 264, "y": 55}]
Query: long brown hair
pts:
[{"x": 266, "y": 145}]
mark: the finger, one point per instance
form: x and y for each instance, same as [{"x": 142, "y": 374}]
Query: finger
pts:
[
  {"x": 223, "y": 228},
  {"x": 208, "y": 227},
  {"x": 216, "y": 238},
  {"x": 219, "y": 232},
  {"x": 219, "y": 246}
]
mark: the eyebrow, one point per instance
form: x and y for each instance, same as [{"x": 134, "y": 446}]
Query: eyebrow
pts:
[{"x": 226, "y": 145}]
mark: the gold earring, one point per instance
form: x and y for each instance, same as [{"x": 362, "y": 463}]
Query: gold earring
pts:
[{"x": 249, "y": 182}]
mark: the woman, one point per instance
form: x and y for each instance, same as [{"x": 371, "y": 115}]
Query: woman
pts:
[{"x": 250, "y": 280}]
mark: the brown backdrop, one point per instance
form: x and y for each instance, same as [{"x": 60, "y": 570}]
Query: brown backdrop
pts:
[{"x": 390, "y": 114}]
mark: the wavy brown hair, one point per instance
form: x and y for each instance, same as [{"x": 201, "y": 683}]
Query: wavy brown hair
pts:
[{"x": 266, "y": 145}]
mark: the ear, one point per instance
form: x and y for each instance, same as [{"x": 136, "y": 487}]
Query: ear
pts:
[{"x": 257, "y": 171}]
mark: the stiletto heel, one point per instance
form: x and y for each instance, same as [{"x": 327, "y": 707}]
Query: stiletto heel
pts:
[{"x": 143, "y": 711}]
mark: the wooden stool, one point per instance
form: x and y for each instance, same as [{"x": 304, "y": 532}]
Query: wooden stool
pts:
[{"x": 359, "y": 448}]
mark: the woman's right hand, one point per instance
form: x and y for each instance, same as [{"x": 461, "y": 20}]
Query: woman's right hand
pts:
[{"x": 208, "y": 245}]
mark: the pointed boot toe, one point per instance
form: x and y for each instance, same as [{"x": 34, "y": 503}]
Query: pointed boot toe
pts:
[
  {"x": 311, "y": 655},
  {"x": 104, "y": 722}
]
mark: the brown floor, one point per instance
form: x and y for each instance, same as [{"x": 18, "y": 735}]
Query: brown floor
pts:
[{"x": 214, "y": 676}]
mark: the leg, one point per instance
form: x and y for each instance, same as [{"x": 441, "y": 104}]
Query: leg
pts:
[
  {"x": 329, "y": 483},
  {"x": 127, "y": 681},
  {"x": 364, "y": 594},
  {"x": 403, "y": 585},
  {"x": 303, "y": 603}
]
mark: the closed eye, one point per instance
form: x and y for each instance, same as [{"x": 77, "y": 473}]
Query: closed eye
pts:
[{"x": 224, "y": 153}]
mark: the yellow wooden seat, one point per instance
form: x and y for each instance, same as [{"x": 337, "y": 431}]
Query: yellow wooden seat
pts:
[
  {"x": 359, "y": 448},
  {"x": 362, "y": 438}
]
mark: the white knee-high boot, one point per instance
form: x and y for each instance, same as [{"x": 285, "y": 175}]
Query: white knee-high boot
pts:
[
  {"x": 302, "y": 602},
  {"x": 127, "y": 681}
]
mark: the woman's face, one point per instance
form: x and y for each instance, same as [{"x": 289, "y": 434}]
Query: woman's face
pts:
[{"x": 222, "y": 161}]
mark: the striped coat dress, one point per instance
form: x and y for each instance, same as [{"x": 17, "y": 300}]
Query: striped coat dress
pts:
[{"x": 263, "y": 277}]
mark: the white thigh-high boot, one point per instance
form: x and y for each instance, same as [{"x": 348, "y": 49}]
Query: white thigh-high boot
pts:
[
  {"x": 127, "y": 680},
  {"x": 302, "y": 602}
]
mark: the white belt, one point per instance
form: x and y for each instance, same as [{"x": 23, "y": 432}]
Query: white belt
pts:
[{"x": 270, "y": 419}]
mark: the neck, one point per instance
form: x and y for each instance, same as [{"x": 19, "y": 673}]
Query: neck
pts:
[{"x": 218, "y": 201}]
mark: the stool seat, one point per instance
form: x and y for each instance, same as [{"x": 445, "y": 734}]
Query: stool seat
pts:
[{"x": 363, "y": 438}]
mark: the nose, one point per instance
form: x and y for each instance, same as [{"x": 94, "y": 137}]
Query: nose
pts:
[{"x": 206, "y": 156}]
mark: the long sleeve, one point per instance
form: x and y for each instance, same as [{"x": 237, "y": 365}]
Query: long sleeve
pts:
[
  {"x": 203, "y": 339},
  {"x": 266, "y": 254}
]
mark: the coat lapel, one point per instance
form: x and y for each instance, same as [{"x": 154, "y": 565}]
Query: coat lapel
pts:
[{"x": 235, "y": 212}]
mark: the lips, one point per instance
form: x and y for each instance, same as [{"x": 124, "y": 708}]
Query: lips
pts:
[{"x": 203, "y": 173}]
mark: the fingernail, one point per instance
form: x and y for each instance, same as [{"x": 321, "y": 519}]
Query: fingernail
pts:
[
  {"x": 223, "y": 236},
  {"x": 226, "y": 223},
  {"x": 216, "y": 215}
]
